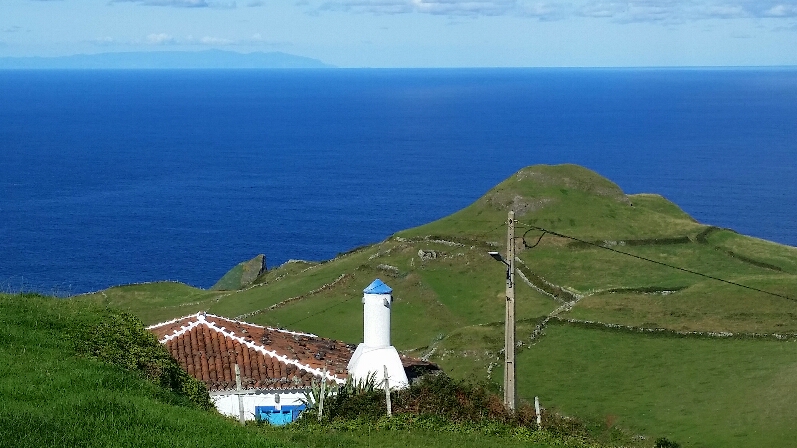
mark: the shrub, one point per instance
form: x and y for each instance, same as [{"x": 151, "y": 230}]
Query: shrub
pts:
[
  {"x": 436, "y": 403},
  {"x": 457, "y": 401},
  {"x": 662, "y": 442},
  {"x": 433, "y": 397},
  {"x": 122, "y": 340}
]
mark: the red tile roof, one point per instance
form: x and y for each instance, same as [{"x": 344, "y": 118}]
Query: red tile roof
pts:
[{"x": 209, "y": 346}]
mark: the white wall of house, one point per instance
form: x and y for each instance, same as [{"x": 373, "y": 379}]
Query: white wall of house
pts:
[{"x": 227, "y": 401}]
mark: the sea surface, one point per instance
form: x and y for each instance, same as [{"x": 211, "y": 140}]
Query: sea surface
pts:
[{"x": 114, "y": 177}]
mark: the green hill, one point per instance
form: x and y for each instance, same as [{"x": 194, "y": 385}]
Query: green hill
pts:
[
  {"x": 450, "y": 304},
  {"x": 242, "y": 275}
]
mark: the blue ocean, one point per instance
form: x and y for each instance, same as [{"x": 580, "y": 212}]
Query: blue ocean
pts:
[{"x": 113, "y": 177}]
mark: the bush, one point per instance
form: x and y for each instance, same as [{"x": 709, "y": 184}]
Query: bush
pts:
[
  {"x": 433, "y": 397},
  {"x": 436, "y": 403},
  {"x": 662, "y": 442},
  {"x": 122, "y": 340},
  {"x": 457, "y": 401}
]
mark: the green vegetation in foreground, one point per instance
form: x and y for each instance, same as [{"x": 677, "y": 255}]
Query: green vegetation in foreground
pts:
[
  {"x": 362, "y": 435},
  {"x": 439, "y": 403},
  {"x": 52, "y": 396},
  {"x": 450, "y": 294}
]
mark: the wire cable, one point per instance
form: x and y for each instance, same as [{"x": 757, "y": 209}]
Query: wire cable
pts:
[
  {"x": 550, "y": 232},
  {"x": 546, "y": 231}
]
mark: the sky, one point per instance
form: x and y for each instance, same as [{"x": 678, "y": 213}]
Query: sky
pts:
[{"x": 418, "y": 33}]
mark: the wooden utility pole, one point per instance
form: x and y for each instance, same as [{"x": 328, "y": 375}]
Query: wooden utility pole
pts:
[{"x": 509, "y": 331}]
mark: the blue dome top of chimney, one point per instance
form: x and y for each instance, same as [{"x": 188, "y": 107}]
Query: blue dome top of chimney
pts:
[{"x": 377, "y": 287}]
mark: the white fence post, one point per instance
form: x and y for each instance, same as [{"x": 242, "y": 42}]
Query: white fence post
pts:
[
  {"x": 239, "y": 392},
  {"x": 323, "y": 393},
  {"x": 387, "y": 395}
]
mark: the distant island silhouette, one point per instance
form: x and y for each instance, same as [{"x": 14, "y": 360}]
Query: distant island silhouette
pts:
[{"x": 207, "y": 59}]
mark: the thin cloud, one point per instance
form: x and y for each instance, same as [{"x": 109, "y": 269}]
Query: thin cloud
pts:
[
  {"x": 761, "y": 9},
  {"x": 208, "y": 40},
  {"x": 781, "y": 10},
  {"x": 637, "y": 11},
  {"x": 161, "y": 39},
  {"x": 256, "y": 40},
  {"x": 673, "y": 11},
  {"x": 434, "y": 7},
  {"x": 656, "y": 11},
  {"x": 721, "y": 11},
  {"x": 181, "y": 3},
  {"x": 369, "y": 7},
  {"x": 544, "y": 10},
  {"x": 449, "y": 8},
  {"x": 454, "y": 8}
]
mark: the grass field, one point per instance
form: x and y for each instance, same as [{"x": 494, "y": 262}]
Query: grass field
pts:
[
  {"x": 449, "y": 296},
  {"x": 154, "y": 302},
  {"x": 700, "y": 392}
]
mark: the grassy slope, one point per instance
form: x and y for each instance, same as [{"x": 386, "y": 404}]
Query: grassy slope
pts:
[
  {"x": 52, "y": 397},
  {"x": 451, "y": 306},
  {"x": 699, "y": 392},
  {"x": 154, "y": 302}
]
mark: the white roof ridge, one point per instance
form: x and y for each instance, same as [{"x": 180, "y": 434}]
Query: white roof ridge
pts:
[
  {"x": 281, "y": 330},
  {"x": 153, "y": 326},
  {"x": 183, "y": 330},
  {"x": 202, "y": 315},
  {"x": 271, "y": 353}
]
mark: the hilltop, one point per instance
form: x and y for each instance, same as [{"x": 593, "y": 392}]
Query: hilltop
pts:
[{"x": 602, "y": 335}]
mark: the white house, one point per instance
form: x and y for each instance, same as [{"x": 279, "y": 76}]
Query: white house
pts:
[{"x": 278, "y": 366}]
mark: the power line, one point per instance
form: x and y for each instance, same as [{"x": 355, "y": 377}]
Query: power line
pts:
[{"x": 544, "y": 231}]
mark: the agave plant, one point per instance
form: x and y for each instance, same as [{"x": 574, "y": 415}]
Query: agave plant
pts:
[
  {"x": 344, "y": 400},
  {"x": 312, "y": 397},
  {"x": 358, "y": 386}
]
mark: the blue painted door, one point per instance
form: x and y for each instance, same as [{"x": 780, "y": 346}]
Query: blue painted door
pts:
[{"x": 278, "y": 417}]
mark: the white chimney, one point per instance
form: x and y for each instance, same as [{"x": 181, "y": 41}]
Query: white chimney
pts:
[
  {"x": 375, "y": 353},
  {"x": 377, "y": 300}
]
